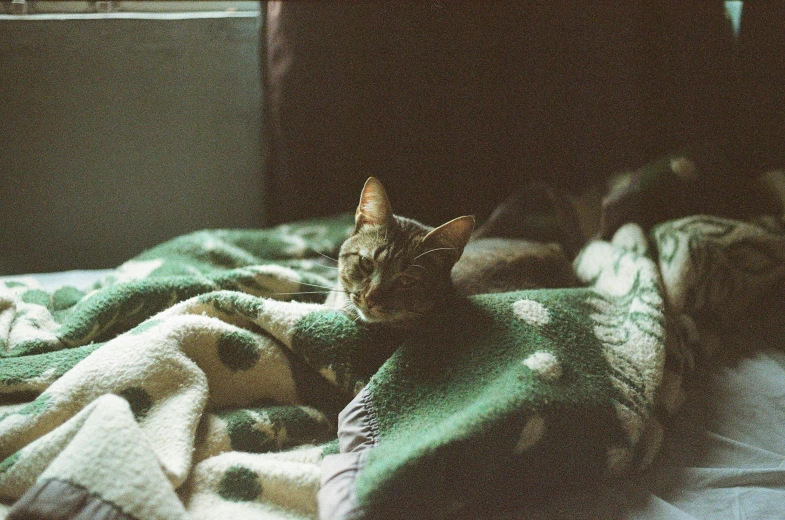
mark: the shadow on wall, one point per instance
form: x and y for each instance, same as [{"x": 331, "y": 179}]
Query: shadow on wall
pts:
[{"x": 119, "y": 134}]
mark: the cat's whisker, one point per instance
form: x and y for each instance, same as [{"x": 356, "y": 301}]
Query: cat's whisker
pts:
[
  {"x": 302, "y": 292},
  {"x": 433, "y": 250},
  {"x": 326, "y": 256},
  {"x": 330, "y": 288},
  {"x": 418, "y": 265}
]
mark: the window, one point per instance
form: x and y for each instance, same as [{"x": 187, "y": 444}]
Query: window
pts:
[
  {"x": 733, "y": 10},
  {"x": 60, "y": 7}
]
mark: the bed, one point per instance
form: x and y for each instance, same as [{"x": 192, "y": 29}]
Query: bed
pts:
[{"x": 204, "y": 378}]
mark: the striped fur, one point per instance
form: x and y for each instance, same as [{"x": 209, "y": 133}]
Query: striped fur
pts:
[{"x": 392, "y": 269}]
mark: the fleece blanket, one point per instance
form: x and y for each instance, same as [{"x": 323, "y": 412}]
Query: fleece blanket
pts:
[{"x": 205, "y": 379}]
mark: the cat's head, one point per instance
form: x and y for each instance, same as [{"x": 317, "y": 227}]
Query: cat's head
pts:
[{"x": 396, "y": 270}]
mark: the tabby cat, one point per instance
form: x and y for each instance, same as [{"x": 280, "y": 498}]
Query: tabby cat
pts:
[{"x": 396, "y": 271}]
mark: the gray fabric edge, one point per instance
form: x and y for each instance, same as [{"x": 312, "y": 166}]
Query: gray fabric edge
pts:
[
  {"x": 56, "y": 499},
  {"x": 357, "y": 428},
  {"x": 357, "y": 436}
]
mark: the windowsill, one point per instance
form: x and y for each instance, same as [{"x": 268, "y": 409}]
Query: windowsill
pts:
[{"x": 132, "y": 16}]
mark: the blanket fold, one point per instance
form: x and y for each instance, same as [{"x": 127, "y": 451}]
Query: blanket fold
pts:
[{"x": 205, "y": 378}]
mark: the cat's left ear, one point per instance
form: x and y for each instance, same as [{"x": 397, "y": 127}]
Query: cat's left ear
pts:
[
  {"x": 374, "y": 207},
  {"x": 452, "y": 236}
]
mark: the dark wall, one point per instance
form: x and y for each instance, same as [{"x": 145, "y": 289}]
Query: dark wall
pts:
[
  {"x": 761, "y": 97},
  {"x": 455, "y": 104},
  {"x": 118, "y": 134}
]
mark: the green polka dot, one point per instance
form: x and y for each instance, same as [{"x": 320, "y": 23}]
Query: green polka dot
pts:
[
  {"x": 244, "y": 435},
  {"x": 65, "y": 298},
  {"x": 6, "y": 464},
  {"x": 273, "y": 428},
  {"x": 240, "y": 484},
  {"x": 238, "y": 350},
  {"x": 36, "y": 296},
  {"x": 300, "y": 426},
  {"x": 139, "y": 401}
]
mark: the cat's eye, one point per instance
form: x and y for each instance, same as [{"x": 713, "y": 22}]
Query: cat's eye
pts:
[{"x": 366, "y": 264}]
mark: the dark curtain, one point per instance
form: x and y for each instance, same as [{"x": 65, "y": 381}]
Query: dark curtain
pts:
[{"x": 453, "y": 105}]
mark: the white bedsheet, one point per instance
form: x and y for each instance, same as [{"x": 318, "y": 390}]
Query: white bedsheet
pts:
[
  {"x": 81, "y": 279},
  {"x": 723, "y": 455}
]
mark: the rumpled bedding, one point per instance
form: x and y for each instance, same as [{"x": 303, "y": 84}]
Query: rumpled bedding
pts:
[{"x": 205, "y": 379}]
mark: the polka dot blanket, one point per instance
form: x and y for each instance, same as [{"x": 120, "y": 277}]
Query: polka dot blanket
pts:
[{"x": 205, "y": 379}]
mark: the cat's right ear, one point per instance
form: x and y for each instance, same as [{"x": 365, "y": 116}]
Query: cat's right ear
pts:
[
  {"x": 374, "y": 207},
  {"x": 452, "y": 237}
]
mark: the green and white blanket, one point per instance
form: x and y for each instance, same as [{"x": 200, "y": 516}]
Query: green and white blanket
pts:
[{"x": 195, "y": 382}]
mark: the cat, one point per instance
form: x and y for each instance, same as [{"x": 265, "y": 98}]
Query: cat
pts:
[{"x": 396, "y": 271}]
